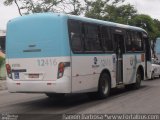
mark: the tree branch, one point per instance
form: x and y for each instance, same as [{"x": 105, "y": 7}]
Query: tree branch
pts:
[{"x": 19, "y": 10}]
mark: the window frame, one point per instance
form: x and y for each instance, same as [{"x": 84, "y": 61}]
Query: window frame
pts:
[
  {"x": 86, "y": 25},
  {"x": 70, "y": 41},
  {"x": 110, "y": 31},
  {"x": 110, "y": 34},
  {"x": 132, "y": 33}
]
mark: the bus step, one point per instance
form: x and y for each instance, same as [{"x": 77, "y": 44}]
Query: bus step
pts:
[{"x": 121, "y": 85}]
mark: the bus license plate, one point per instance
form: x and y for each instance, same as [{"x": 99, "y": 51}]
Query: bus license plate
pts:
[
  {"x": 33, "y": 76},
  {"x": 16, "y": 75}
]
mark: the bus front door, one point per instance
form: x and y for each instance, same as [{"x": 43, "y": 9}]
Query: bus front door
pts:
[{"x": 119, "y": 44}]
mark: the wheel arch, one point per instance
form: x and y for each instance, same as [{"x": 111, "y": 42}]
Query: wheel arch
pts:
[{"x": 108, "y": 72}]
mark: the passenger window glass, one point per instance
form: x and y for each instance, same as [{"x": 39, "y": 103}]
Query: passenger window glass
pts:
[
  {"x": 137, "y": 41},
  {"x": 92, "y": 41},
  {"x": 134, "y": 41},
  {"x": 75, "y": 36},
  {"x": 106, "y": 39},
  {"x": 128, "y": 42}
]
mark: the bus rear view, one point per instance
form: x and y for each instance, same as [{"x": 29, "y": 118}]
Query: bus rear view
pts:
[{"x": 38, "y": 54}]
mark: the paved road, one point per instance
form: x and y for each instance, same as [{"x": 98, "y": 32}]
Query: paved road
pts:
[
  {"x": 144, "y": 100},
  {"x": 3, "y": 85}
]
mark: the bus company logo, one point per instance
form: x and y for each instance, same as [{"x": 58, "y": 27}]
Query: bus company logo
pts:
[
  {"x": 95, "y": 60},
  {"x": 131, "y": 61}
]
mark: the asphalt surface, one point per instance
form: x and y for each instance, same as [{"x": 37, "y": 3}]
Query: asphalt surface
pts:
[
  {"x": 3, "y": 85},
  {"x": 145, "y": 100}
]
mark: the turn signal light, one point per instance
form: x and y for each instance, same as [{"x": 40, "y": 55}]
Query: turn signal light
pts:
[
  {"x": 61, "y": 67},
  {"x": 9, "y": 71}
]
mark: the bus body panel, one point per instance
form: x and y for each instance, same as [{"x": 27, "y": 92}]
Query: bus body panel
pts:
[
  {"x": 36, "y": 45},
  {"x": 39, "y": 75},
  {"x": 38, "y": 69},
  {"x": 63, "y": 85},
  {"x": 86, "y": 70},
  {"x": 41, "y": 35},
  {"x": 42, "y": 43},
  {"x": 131, "y": 62}
]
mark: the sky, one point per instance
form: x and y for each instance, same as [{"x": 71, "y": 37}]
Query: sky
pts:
[{"x": 150, "y": 7}]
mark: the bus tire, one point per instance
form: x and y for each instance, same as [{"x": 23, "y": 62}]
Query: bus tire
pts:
[
  {"x": 104, "y": 86},
  {"x": 137, "y": 85},
  {"x": 55, "y": 95}
]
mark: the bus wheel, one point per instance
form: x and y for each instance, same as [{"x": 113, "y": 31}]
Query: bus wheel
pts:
[
  {"x": 55, "y": 95},
  {"x": 104, "y": 86},
  {"x": 137, "y": 85}
]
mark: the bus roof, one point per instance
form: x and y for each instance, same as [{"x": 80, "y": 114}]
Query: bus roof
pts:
[
  {"x": 106, "y": 23},
  {"x": 85, "y": 19}
]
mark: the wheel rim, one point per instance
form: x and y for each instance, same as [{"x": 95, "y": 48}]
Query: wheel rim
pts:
[{"x": 105, "y": 86}]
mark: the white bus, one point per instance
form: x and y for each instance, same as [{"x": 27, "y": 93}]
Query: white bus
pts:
[{"x": 58, "y": 54}]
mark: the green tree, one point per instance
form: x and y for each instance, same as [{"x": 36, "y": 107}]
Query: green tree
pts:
[
  {"x": 121, "y": 14},
  {"x": 110, "y": 10},
  {"x": 157, "y": 24},
  {"x": 107, "y": 10},
  {"x": 95, "y": 9},
  {"x": 145, "y": 22},
  {"x": 1, "y": 61},
  {"x": 75, "y": 7}
]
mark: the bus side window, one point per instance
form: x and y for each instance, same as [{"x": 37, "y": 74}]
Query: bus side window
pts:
[
  {"x": 106, "y": 39},
  {"x": 92, "y": 41},
  {"x": 133, "y": 37},
  {"x": 137, "y": 41},
  {"x": 75, "y": 36},
  {"x": 128, "y": 42},
  {"x": 140, "y": 43}
]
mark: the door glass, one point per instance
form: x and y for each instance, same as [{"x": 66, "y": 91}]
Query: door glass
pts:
[{"x": 119, "y": 40}]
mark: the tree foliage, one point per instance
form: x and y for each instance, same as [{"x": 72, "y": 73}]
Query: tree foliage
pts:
[
  {"x": 95, "y": 9},
  {"x": 37, "y": 6},
  {"x": 157, "y": 25},
  {"x": 103, "y": 10},
  {"x": 109, "y": 10},
  {"x": 125, "y": 14},
  {"x": 1, "y": 61},
  {"x": 147, "y": 23}
]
